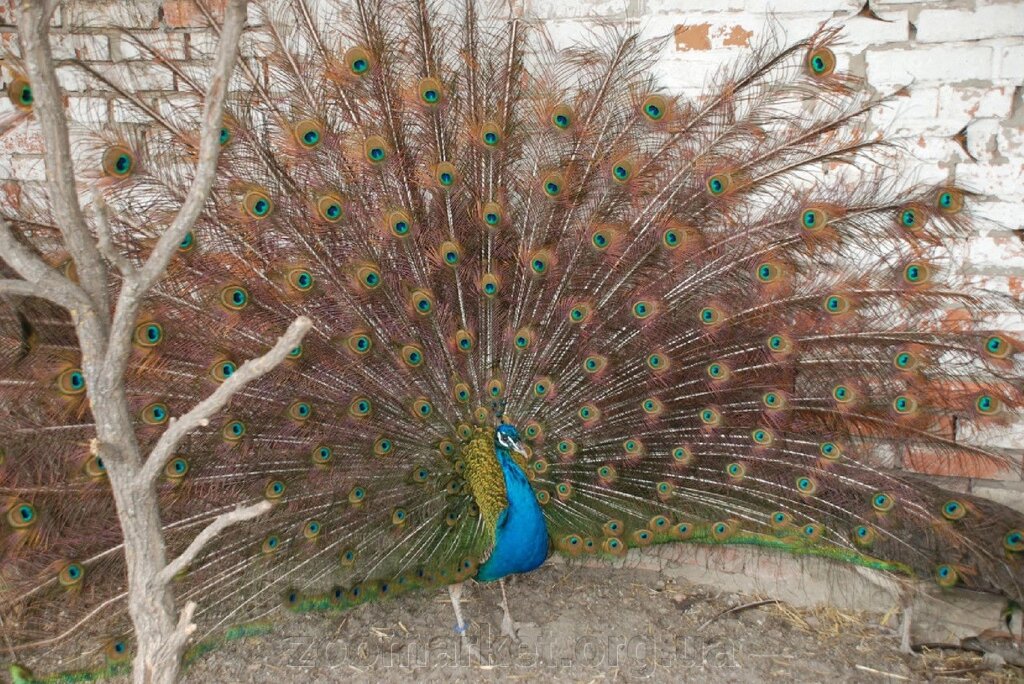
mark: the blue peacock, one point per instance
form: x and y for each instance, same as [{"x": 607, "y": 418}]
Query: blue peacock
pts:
[{"x": 555, "y": 308}]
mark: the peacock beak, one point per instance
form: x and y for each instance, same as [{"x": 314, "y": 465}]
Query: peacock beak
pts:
[{"x": 519, "y": 448}]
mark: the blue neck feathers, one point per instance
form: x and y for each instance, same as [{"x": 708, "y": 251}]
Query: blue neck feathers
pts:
[{"x": 521, "y": 537}]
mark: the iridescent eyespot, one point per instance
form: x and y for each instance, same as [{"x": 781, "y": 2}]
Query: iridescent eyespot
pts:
[
  {"x": 308, "y": 133},
  {"x": 322, "y": 454},
  {"x": 495, "y": 387},
  {"x": 311, "y": 530},
  {"x": 905, "y": 361},
  {"x": 300, "y": 279},
  {"x": 464, "y": 340},
  {"x": 811, "y": 531},
  {"x": 421, "y": 408},
  {"x": 360, "y": 343},
  {"x": 543, "y": 386},
  {"x": 176, "y": 468},
  {"x": 375, "y": 149},
  {"x": 830, "y": 450},
  {"x": 607, "y": 472},
  {"x": 1014, "y": 541},
  {"x": 642, "y": 309},
  {"x": 369, "y": 276},
  {"x": 721, "y": 531},
  {"x": 768, "y": 272},
  {"x": 357, "y": 495},
  {"x": 882, "y": 502},
  {"x": 916, "y": 274},
  {"x": 710, "y": 416},
  {"x": 904, "y": 404},
  {"x": 654, "y": 107},
  {"x": 779, "y": 344},
  {"x": 579, "y": 313},
  {"x": 21, "y": 515},
  {"x": 682, "y": 455},
  {"x": 234, "y": 430},
  {"x": 300, "y": 411},
  {"x": 533, "y": 430},
  {"x": 257, "y": 204},
  {"x": 813, "y": 220},
  {"x": 622, "y": 170},
  {"x": 383, "y": 446},
  {"x": 422, "y": 302},
  {"x": 601, "y": 238},
  {"x": 821, "y": 62},
  {"x": 95, "y": 467},
  {"x": 430, "y": 91},
  {"x": 540, "y": 262},
  {"x": 234, "y": 297},
  {"x": 222, "y": 370},
  {"x": 187, "y": 242},
  {"x": 489, "y": 284},
  {"x": 588, "y": 413},
  {"x": 949, "y": 200},
  {"x": 564, "y": 491},
  {"x": 683, "y": 531},
  {"x": 773, "y": 400},
  {"x": 736, "y": 471},
  {"x": 762, "y": 436},
  {"x": 225, "y": 136},
  {"x": 843, "y": 394},
  {"x": 836, "y": 304},
  {"x": 710, "y": 315},
  {"x": 491, "y": 214},
  {"x": 806, "y": 485},
  {"x": 953, "y": 510},
  {"x": 553, "y": 184},
  {"x": 358, "y": 61},
  {"x": 71, "y": 575},
  {"x": 71, "y": 381},
  {"x": 911, "y": 218},
  {"x": 672, "y": 238},
  {"x": 420, "y": 475},
  {"x": 446, "y": 447},
  {"x": 717, "y": 371},
  {"x": 328, "y": 208},
  {"x": 490, "y": 134},
  {"x": 270, "y": 544},
  {"x": 360, "y": 407},
  {"x": 412, "y": 355},
  {"x": 863, "y": 535},
  {"x": 987, "y": 405},
  {"x": 20, "y": 93},
  {"x": 155, "y": 414},
  {"x": 116, "y": 651},
  {"x": 719, "y": 184},
  {"x": 652, "y": 406},
  {"x": 946, "y": 575},
  {"x": 657, "y": 362},
  {"x": 148, "y": 334},
  {"x": 562, "y": 117},
  {"x": 399, "y": 223},
  {"x": 445, "y": 174},
  {"x": 118, "y": 161},
  {"x": 274, "y": 489},
  {"x": 997, "y": 347},
  {"x": 566, "y": 448},
  {"x": 398, "y": 516},
  {"x": 450, "y": 253}
]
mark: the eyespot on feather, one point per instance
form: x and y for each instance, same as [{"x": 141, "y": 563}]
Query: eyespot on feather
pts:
[
  {"x": 358, "y": 61},
  {"x": 20, "y": 93},
  {"x": 308, "y": 133},
  {"x": 430, "y": 91},
  {"x": 821, "y": 62},
  {"x": 118, "y": 161},
  {"x": 257, "y": 204}
]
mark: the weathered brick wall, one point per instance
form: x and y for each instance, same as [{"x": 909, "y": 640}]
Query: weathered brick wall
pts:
[{"x": 956, "y": 67}]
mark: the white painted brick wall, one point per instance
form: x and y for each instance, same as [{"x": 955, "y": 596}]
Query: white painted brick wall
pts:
[{"x": 958, "y": 66}]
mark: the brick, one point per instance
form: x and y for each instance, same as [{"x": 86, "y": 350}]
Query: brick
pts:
[
  {"x": 963, "y": 103},
  {"x": 186, "y": 14},
  {"x": 88, "y": 109},
  {"x": 25, "y": 138},
  {"x": 84, "y": 46},
  {"x": 171, "y": 45},
  {"x": 544, "y": 9},
  {"x": 1011, "y": 63},
  {"x": 28, "y": 167},
  {"x": 824, "y": 8},
  {"x": 861, "y": 32},
  {"x": 1003, "y": 180},
  {"x": 148, "y": 76},
  {"x": 947, "y": 25},
  {"x": 1009, "y": 493},
  {"x": 945, "y": 63},
  {"x": 108, "y": 13},
  {"x": 693, "y": 6},
  {"x": 996, "y": 255}
]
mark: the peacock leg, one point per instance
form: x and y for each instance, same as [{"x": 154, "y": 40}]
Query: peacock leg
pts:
[
  {"x": 508, "y": 626},
  {"x": 455, "y": 594},
  {"x": 907, "y": 603}
]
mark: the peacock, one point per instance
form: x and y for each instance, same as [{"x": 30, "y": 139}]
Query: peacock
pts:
[{"x": 555, "y": 309}]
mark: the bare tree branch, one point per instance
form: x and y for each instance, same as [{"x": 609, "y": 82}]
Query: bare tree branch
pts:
[
  {"x": 45, "y": 281},
  {"x": 219, "y": 524},
  {"x": 204, "y": 410},
  {"x": 48, "y": 108},
  {"x": 104, "y": 237},
  {"x": 135, "y": 288}
]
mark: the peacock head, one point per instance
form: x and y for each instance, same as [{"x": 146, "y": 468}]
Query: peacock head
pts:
[{"x": 507, "y": 437}]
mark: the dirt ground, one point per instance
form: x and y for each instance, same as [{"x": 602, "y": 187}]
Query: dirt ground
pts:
[{"x": 588, "y": 624}]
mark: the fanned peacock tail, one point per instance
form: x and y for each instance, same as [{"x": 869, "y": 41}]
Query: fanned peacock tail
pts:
[{"x": 719, "y": 321}]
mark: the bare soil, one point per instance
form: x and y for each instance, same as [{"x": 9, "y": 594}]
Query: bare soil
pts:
[{"x": 588, "y": 624}]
